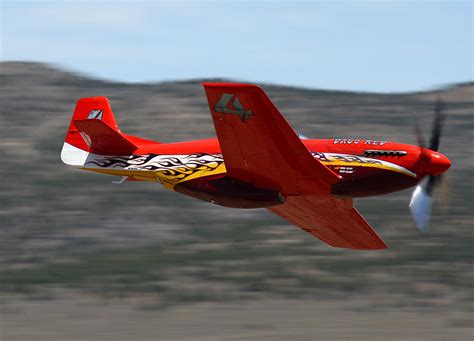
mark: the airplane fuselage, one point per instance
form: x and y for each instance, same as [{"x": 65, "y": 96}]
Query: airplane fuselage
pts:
[{"x": 197, "y": 168}]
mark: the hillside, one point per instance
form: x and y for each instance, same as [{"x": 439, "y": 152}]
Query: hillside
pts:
[{"x": 69, "y": 230}]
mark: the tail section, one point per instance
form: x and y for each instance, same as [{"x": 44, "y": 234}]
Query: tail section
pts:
[{"x": 93, "y": 129}]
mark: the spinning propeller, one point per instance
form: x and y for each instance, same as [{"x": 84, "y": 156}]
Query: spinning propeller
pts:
[{"x": 432, "y": 164}]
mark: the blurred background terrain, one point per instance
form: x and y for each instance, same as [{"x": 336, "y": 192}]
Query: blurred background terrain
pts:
[{"x": 82, "y": 258}]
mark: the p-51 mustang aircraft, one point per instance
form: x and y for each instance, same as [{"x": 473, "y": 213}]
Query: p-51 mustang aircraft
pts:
[{"x": 258, "y": 161}]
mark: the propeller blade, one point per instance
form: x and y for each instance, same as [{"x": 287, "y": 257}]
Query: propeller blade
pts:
[
  {"x": 421, "y": 202},
  {"x": 419, "y": 135},
  {"x": 438, "y": 124},
  {"x": 442, "y": 191}
]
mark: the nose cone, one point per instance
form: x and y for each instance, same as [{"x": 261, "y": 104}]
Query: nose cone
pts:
[{"x": 438, "y": 163}]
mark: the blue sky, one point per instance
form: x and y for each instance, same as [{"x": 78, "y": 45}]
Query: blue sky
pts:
[{"x": 382, "y": 46}]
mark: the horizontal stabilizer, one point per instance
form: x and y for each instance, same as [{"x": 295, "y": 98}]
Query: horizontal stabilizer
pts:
[{"x": 102, "y": 139}]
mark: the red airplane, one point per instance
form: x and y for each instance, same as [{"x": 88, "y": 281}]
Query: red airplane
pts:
[{"x": 258, "y": 160}]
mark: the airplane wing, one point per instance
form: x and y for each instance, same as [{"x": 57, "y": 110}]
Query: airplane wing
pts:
[
  {"x": 259, "y": 146},
  {"x": 332, "y": 220}
]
